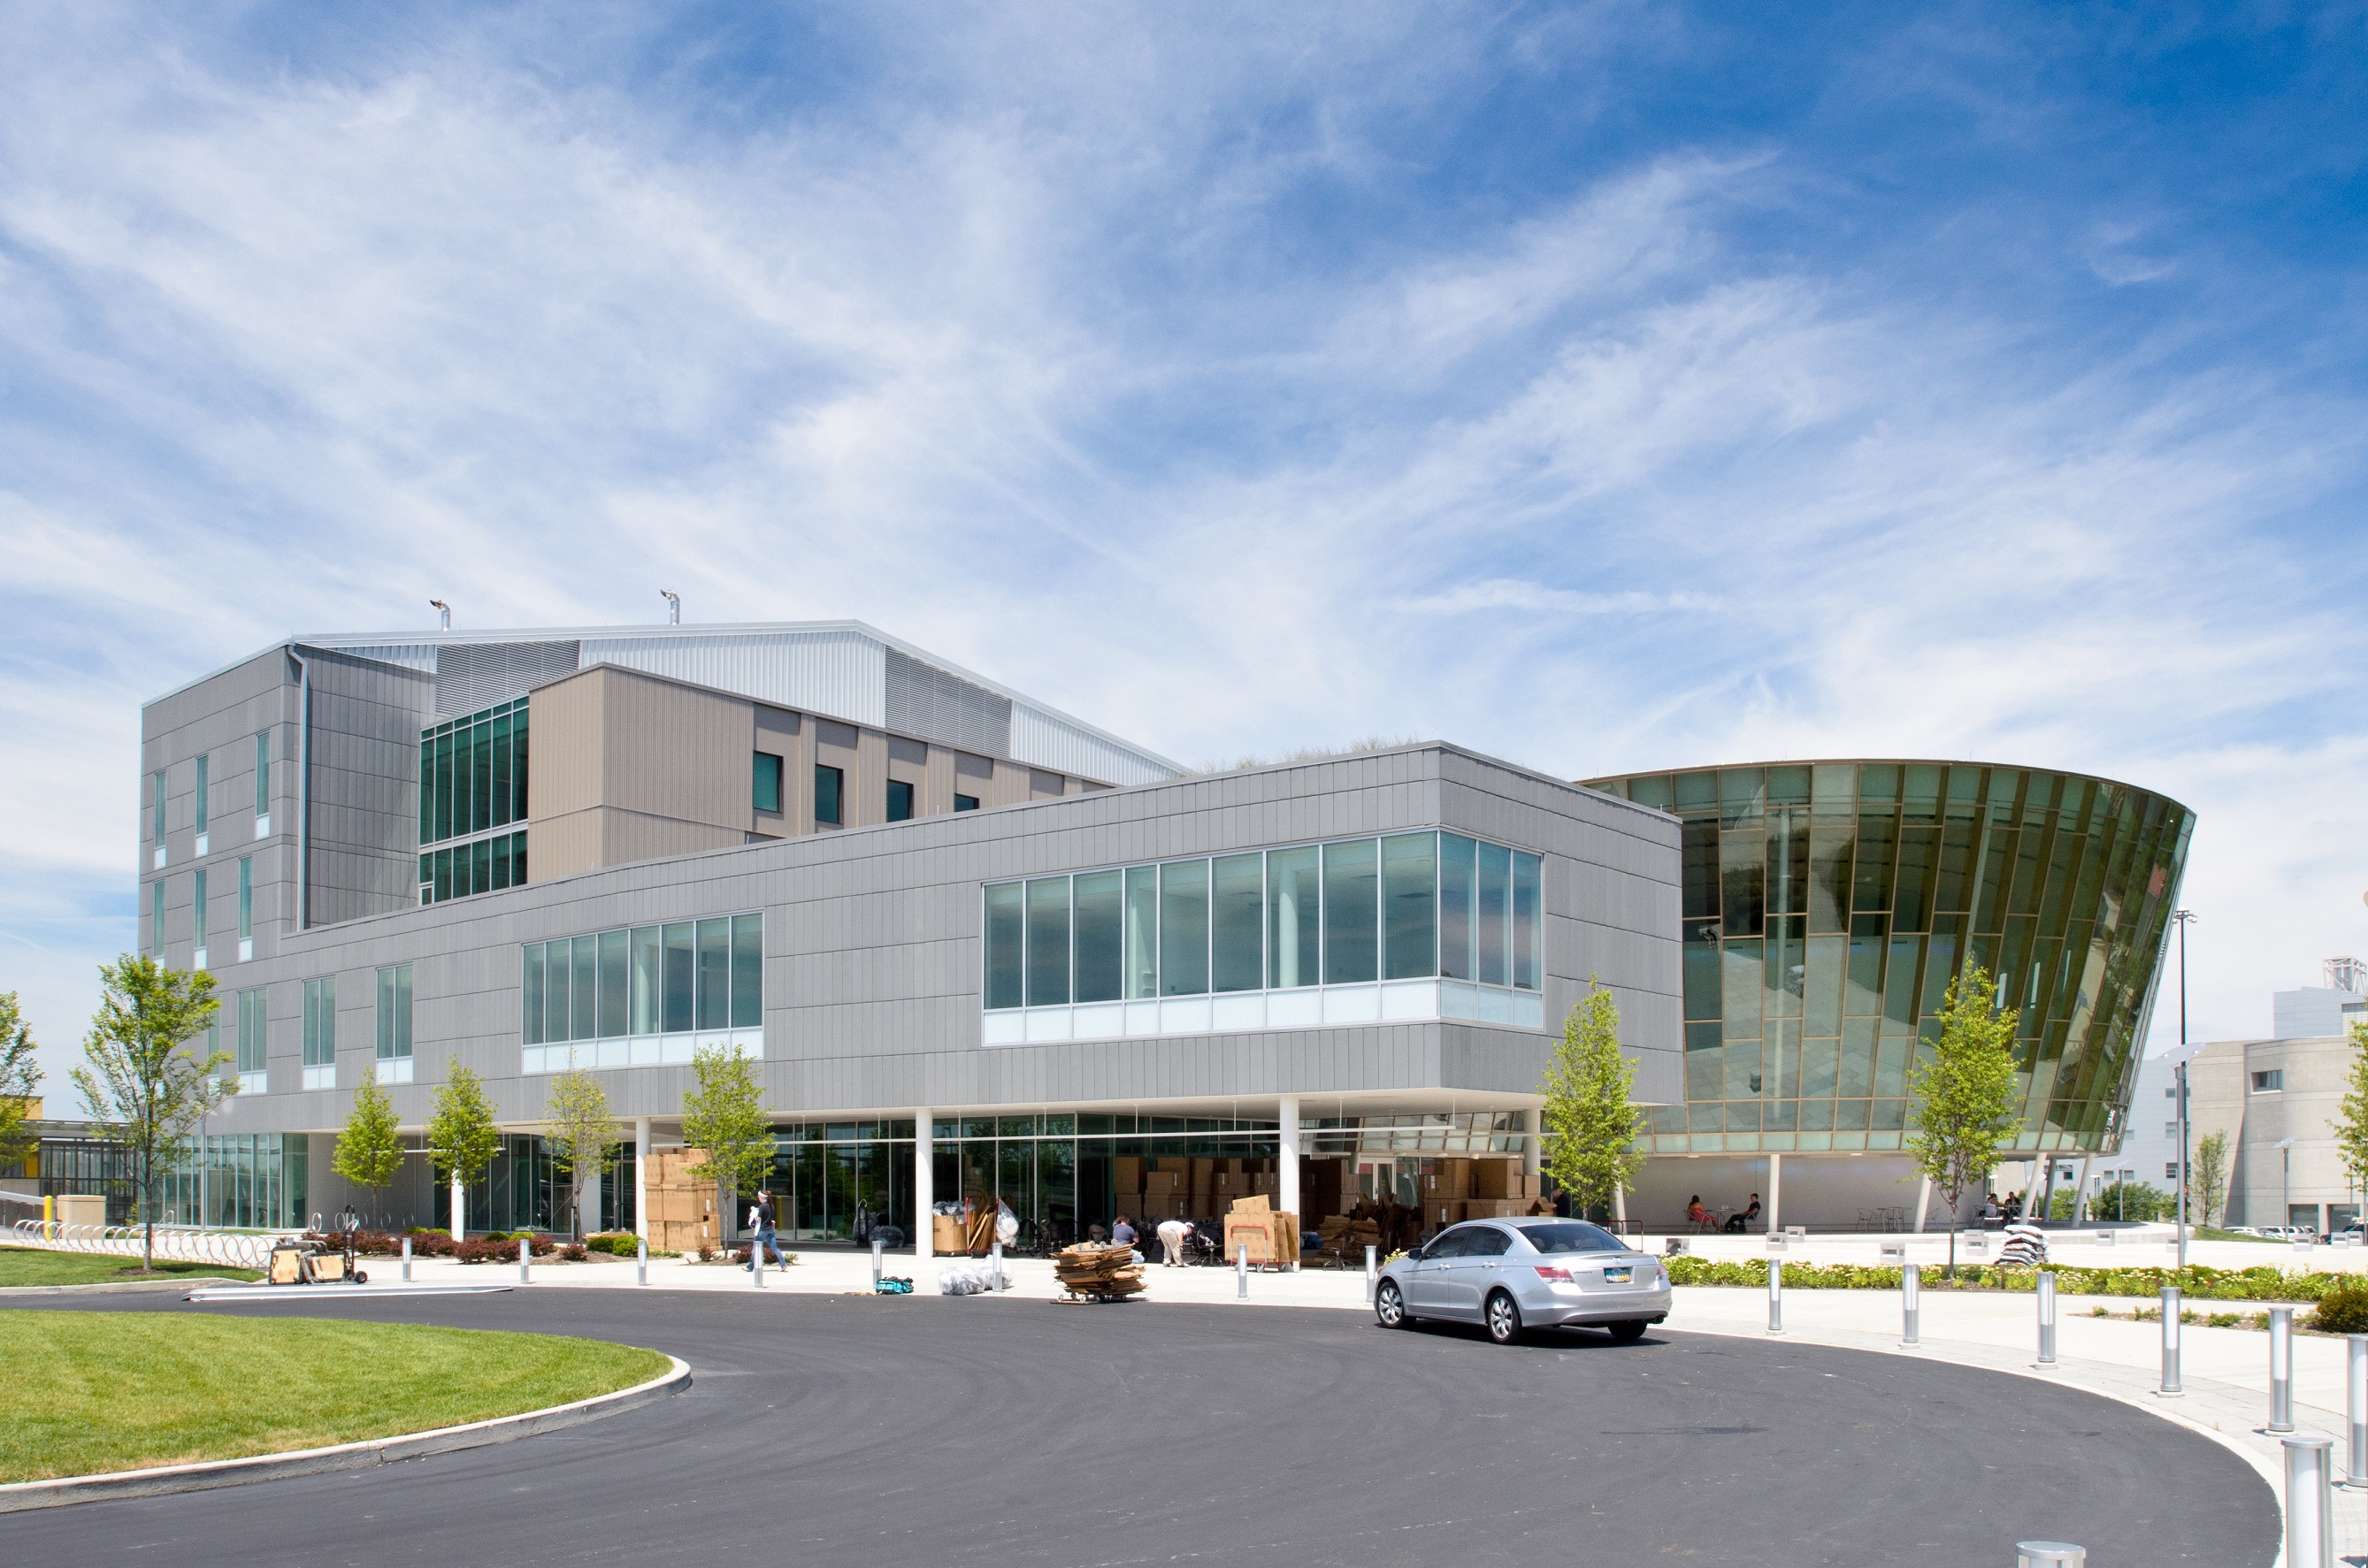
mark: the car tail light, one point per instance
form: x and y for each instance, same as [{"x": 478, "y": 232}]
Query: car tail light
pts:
[{"x": 1557, "y": 1276}]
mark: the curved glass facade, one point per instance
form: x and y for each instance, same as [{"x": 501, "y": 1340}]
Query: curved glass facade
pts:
[{"x": 1826, "y": 905}]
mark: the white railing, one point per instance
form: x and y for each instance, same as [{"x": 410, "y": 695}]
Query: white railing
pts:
[{"x": 176, "y": 1244}]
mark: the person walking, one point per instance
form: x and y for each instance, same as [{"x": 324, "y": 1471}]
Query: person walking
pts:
[
  {"x": 768, "y": 1237},
  {"x": 1173, "y": 1234}
]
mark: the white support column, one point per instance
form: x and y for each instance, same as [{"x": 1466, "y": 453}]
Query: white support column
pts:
[
  {"x": 924, "y": 1172},
  {"x": 1775, "y": 1193},
  {"x": 1287, "y": 1187},
  {"x": 641, "y": 1178},
  {"x": 2081, "y": 1194},
  {"x": 459, "y": 1226},
  {"x": 1923, "y": 1203}
]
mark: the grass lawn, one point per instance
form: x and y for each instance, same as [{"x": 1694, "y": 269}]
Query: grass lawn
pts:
[
  {"x": 32, "y": 1266},
  {"x": 94, "y": 1391}
]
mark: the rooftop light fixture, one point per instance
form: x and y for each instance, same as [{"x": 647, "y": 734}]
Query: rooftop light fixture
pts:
[{"x": 444, "y": 609}]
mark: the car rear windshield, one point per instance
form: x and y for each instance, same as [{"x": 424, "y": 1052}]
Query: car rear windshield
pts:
[{"x": 1572, "y": 1237}]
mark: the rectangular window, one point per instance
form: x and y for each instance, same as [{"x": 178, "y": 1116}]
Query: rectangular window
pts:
[
  {"x": 583, "y": 988},
  {"x": 2269, "y": 1083},
  {"x": 900, "y": 801},
  {"x": 965, "y": 803},
  {"x": 198, "y": 912},
  {"x": 1100, "y": 936},
  {"x": 1351, "y": 911},
  {"x": 828, "y": 782},
  {"x": 1457, "y": 869},
  {"x": 1184, "y": 928},
  {"x": 1006, "y": 939},
  {"x": 320, "y": 1028},
  {"x": 202, "y": 761},
  {"x": 156, "y": 914},
  {"x": 1529, "y": 922},
  {"x": 715, "y": 974},
  {"x": 614, "y": 988},
  {"x": 1048, "y": 941},
  {"x": 1494, "y": 912},
  {"x": 250, "y": 1033},
  {"x": 504, "y": 786},
  {"x": 1237, "y": 921},
  {"x": 1142, "y": 932},
  {"x": 766, "y": 782},
  {"x": 1410, "y": 893},
  {"x": 530, "y": 1001},
  {"x": 158, "y": 787},
  {"x": 1294, "y": 909},
  {"x": 748, "y": 971},
  {"x": 2171, "y": 1129},
  {"x": 643, "y": 944},
  {"x": 246, "y": 898},
  {"x": 680, "y": 968},
  {"x": 2170, "y": 1170},
  {"x": 394, "y": 1013}
]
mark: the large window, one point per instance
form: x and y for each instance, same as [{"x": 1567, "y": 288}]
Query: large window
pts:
[
  {"x": 765, "y": 782},
  {"x": 320, "y": 1033},
  {"x": 394, "y": 1061},
  {"x": 251, "y": 1072},
  {"x": 202, "y": 783},
  {"x": 642, "y": 996},
  {"x": 263, "y": 775},
  {"x": 1351, "y": 913},
  {"x": 900, "y": 801},
  {"x": 829, "y": 782},
  {"x": 473, "y": 773},
  {"x": 197, "y": 918},
  {"x": 156, "y": 831},
  {"x": 245, "y": 907},
  {"x": 482, "y": 865}
]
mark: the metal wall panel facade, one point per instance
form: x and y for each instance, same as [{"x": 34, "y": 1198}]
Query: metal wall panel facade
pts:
[{"x": 838, "y": 672}]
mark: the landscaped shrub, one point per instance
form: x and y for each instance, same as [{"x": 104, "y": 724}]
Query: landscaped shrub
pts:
[
  {"x": 2342, "y": 1312},
  {"x": 2259, "y": 1283},
  {"x": 572, "y": 1252}
]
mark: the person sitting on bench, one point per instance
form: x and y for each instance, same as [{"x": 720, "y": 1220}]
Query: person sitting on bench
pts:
[{"x": 1737, "y": 1223}]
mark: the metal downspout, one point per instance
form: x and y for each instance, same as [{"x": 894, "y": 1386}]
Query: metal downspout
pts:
[{"x": 303, "y": 790}]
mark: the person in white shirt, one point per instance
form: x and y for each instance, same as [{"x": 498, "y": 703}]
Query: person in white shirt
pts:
[{"x": 1172, "y": 1236}]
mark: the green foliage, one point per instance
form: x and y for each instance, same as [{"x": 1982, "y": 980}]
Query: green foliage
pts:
[
  {"x": 1962, "y": 1094},
  {"x": 2350, "y": 1125},
  {"x": 20, "y": 1076},
  {"x": 2207, "y": 1180},
  {"x": 2130, "y": 1200},
  {"x": 2342, "y": 1312},
  {"x": 1590, "y": 1125},
  {"x": 144, "y": 1087},
  {"x": 369, "y": 1150},
  {"x": 584, "y": 1133},
  {"x": 2259, "y": 1283},
  {"x": 723, "y": 1116},
  {"x": 461, "y": 1137}
]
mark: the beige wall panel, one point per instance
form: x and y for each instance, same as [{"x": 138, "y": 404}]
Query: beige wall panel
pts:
[
  {"x": 870, "y": 796},
  {"x": 564, "y": 729},
  {"x": 678, "y": 752},
  {"x": 628, "y": 836},
  {"x": 561, "y": 846},
  {"x": 938, "y": 791},
  {"x": 1010, "y": 784}
]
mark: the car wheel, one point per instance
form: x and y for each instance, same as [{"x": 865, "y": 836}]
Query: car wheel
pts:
[
  {"x": 1626, "y": 1333},
  {"x": 1504, "y": 1317},
  {"x": 1389, "y": 1306}
]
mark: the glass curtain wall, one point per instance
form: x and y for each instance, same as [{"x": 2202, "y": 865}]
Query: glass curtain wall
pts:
[
  {"x": 243, "y": 1181},
  {"x": 648, "y": 979},
  {"x": 1828, "y": 906},
  {"x": 472, "y": 781}
]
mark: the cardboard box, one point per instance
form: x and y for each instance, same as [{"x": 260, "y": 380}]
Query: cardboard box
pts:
[
  {"x": 1495, "y": 1208},
  {"x": 1271, "y": 1237},
  {"x": 1162, "y": 1184},
  {"x": 1130, "y": 1172},
  {"x": 946, "y": 1233},
  {"x": 1496, "y": 1178},
  {"x": 1253, "y": 1204}
]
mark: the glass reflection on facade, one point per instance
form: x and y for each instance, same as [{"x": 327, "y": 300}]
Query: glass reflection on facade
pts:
[{"x": 1826, "y": 907}]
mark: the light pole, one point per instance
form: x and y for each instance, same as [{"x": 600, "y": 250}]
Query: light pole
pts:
[
  {"x": 2284, "y": 1146},
  {"x": 2183, "y": 918}
]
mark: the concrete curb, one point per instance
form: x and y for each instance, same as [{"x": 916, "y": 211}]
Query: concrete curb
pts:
[
  {"x": 17, "y": 1496},
  {"x": 127, "y": 1286}
]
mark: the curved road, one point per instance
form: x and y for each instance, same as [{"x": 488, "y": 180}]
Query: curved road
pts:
[{"x": 929, "y": 1430}]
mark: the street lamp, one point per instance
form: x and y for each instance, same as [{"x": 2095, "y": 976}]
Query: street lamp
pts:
[
  {"x": 2284, "y": 1146},
  {"x": 2183, "y": 918}
]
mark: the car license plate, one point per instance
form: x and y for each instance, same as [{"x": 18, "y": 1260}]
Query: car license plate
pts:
[{"x": 1618, "y": 1276}]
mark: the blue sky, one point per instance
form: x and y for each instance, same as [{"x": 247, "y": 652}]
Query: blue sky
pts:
[{"x": 1603, "y": 386}]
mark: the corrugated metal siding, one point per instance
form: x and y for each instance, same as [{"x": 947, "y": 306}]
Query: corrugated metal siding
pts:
[
  {"x": 474, "y": 676},
  {"x": 843, "y": 674},
  {"x": 1050, "y": 741},
  {"x": 925, "y": 701}
]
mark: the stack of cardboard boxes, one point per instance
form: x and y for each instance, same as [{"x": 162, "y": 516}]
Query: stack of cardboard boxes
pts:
[
  {"x": 681, "y": 1202},
  {"x": 1477, "y": 1189},
  {"x": 1180, "y": 1187},
  {"x": 1268, "y": 1234}
]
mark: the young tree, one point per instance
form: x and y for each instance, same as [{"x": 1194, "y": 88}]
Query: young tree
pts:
[
  {"x": 1963, "y": 1093},
  {"x": 369, "y": 1150},
  {"x": 1589, "y": 1127},
  {"x": 584, "y": 1134},
  {"x": 20, "y": 1075},
  {"x": 462, "y": 1138},
  {"x": 723, "y": 1116},
  {"x": 2350, "y": 1126},
  {"x": 2210, "y": 1182},
  {"x": 144, "y": 1088}
]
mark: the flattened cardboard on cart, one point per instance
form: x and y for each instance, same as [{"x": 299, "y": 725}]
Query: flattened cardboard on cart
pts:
[{"x": 1270, "y": 1234}]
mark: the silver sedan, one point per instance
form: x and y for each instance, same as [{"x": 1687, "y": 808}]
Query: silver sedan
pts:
[{"x": 1510, "y": 1274}]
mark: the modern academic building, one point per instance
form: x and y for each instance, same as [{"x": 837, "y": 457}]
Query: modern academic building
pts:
[{"x": 977, "y": 946}]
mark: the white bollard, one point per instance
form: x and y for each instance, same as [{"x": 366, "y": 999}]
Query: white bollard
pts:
[
  {"x": 2049, "y": 1554},
  {"x": 2047, "y": 1318},
  {"x": 2281, "y": 1419},
  {"x": 523, "y": 1256},
  {"x": 1909, "y": 1282},
  {"x": 642, "y": 1261},
  {"x": 876, "y": 1244},
  {"x": 407, "y": 1260},
  {"x": 2171, "y": 1388},
  {"x": 2356, "y": 1405},
  {"x": 1372, "y": 1273},
  {"x": 1775, "y": 1296},
  {"x": 756, "y": 1261},
  {"x": 1242, "y": 1272},
  {"x": 2310, "y": 1513}
]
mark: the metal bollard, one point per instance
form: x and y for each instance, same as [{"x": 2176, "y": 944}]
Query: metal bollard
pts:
[
  {"x": 2049, "y": 1554},
  {"x": 1775, "y": 1296},
  {"x": 2356, "y": 1403},
  {"x": 2171, "y": 1386},
  {"x": 1242, "y": 1272},
  {"x": 1909, "y": 1282},
  {"x": 876, "y": 1244},
  {"x": 523, "y": 1256},
  {"x": 995, "y": 1251},
  {"x": 1372, "y": 1273},
  {"x": 756, "y": 1261},
  {"x": 642, "y": 1261},
  {"x": 407, "y": 1260},
  {"x": 2047, "y": 1318},
  {"x": 2281, "y": 1419},
  {"x": 2310, "y": 1513}
]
